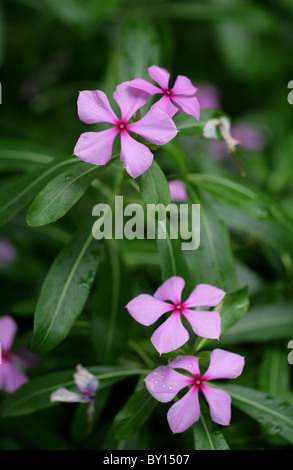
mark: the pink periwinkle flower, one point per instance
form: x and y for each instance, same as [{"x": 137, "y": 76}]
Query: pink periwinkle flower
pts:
[
  {"x": 96, "y": 147},
  {"x": 182, "y": 93},
  {"x": 11, "y": 376},
  {"x": 165, "y": 382},
  {"x": 7, "y": 252},
  {"x": 209, "y": 97},
  {"x": 171, "y": 334},
  {"x": 177, "y": 191}
]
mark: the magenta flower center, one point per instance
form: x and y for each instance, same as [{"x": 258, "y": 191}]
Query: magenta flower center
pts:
[
  {"x": 168, "y": 93},
  {"x": 6, "y": 356},
  {"x": 179, "y": 307},
  {"x": 122, "y": 126}
]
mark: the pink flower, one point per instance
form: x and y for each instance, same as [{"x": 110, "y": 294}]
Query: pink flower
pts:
[
  {"x": 177, "y": 190},
  {"x": 11, "y": 377},
  {"x": 171, "y": 334},
  {"x": 209, "y": 97},
  {"x": 165, "y": 382},
  {"x": 96, "y": 147},
  {"x": 7, "y": 252},
  {"x": 182, "y": 92}
]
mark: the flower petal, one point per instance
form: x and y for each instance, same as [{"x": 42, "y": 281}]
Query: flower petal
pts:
[
  {"x": 189, "y": 363},
  {"x": 144, "y": 85},
  {"x": 165, "y": 104},
  {"x": 129, "y": 100},
  {"x": 171, "y": 290},
  {"x": 11, "y": 378},
  {"x": 177, "y": 191},
  {"x": 224, "y": 365},
  {"x": 219, "y": 403},
  {"x": 8, "y": 329},
  {"x": 146, "y": 309},
  {"x": 137, "y": 157},
  {"x": 189, "y": 105},
  {"x": 204, "y": 295},
  {"x": 170, "y": 335},
  {"x": 204, "y": 323},
  {"x": 184, "y": 412},
  {"x": 67, "y": 396},
  {"x": 94, "y": 107},
  {"x": 183, "y": 86},
  {"x": 159, "y": 75},
  {"x": 96, "y": 147},
  {"x": 164, "y": 383},
  {"x": 156, "y": 126}
]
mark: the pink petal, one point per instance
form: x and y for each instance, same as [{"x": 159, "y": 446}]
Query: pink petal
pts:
[
  {"x": 129, "y": 100},
  {"x": 142, "y": 84},
  {"x": 204, "y": 323},
  {"x": 165, "y": 104},
  {"x": 170, "y": 335},
  {"x": 164, "y": 383},
  {"x": 8, "y": 253},
  {"x": 159, "y": 75},
  {"x": 184, "y": 412},
  {"x": 219, "y": 403},
  {"x": 137, "y": 157},
  {"x": 96, "y": 147},
  {"x": 189, "y": 363},
  {"x": 204, "y": 295},
  {"x": 156, "y": 127},
  {"x": 183, "y": 86},
  {"x": 25, "y": 358},
  {"x": 171, "y": 290},
  {"x": 11, "y": 378},
  {"x": 94, "y": 107},
  {"x": 8, "y": 329},
  {"x": 208, "y": 97},
  {"x": 189, "y": 105},
  {"x": 146, "y": 309},
  {"x": 177, "y": 191},
  {"x": 224, "y": 365}
]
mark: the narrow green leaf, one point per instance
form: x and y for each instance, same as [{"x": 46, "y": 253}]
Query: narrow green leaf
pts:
[
  {"x": 268, "y": 410},
  {"x": 274, "y": 373},
  {"x": 138, "y": 49},
  {"x": 35, "y": 394},
  {"x": 22, "y": 156},
  {"x": 207, "y": 435},
  {"x": 213, "y": 262},
  {"x": 154, "y": 187},
  {"x": 65, "y": 291},
  {"x": 235, "y": 305},
  {"x": 19, "y": 194},
  {"x": 172, "y": 260},
  {"x": 61, "y": 193},
  {"x": 265, "y": 323},
  {"x": 134, "y": 414}
]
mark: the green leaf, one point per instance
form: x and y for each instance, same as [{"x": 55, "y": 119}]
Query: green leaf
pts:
[
  {"x": 65, "y": 291},
  {"x": 134, "y": 414},
  {"x": 207, "y": 435},
  {"x": 21, "y": 156},
  {"x": 188, "y": 125},
  {"x": 17, "y": 195},
  {"x": 61, "y": 193},
  {"x": 172, "y": 260},
  {"x": 274, "y": 373},
  {"x": 138, "y": 49},
  {"x": 213, "y": 262},
  {"x": 265, "y": 323},
  {"x": 268, "y": 410},
  {"x": 35, "y": 394},
  {"x": 154, "y": 188},
  {"x": 235, "y": 305}
]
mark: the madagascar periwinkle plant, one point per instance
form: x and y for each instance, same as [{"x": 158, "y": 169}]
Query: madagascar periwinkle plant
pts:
[{"x": 148, "y": 260}]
